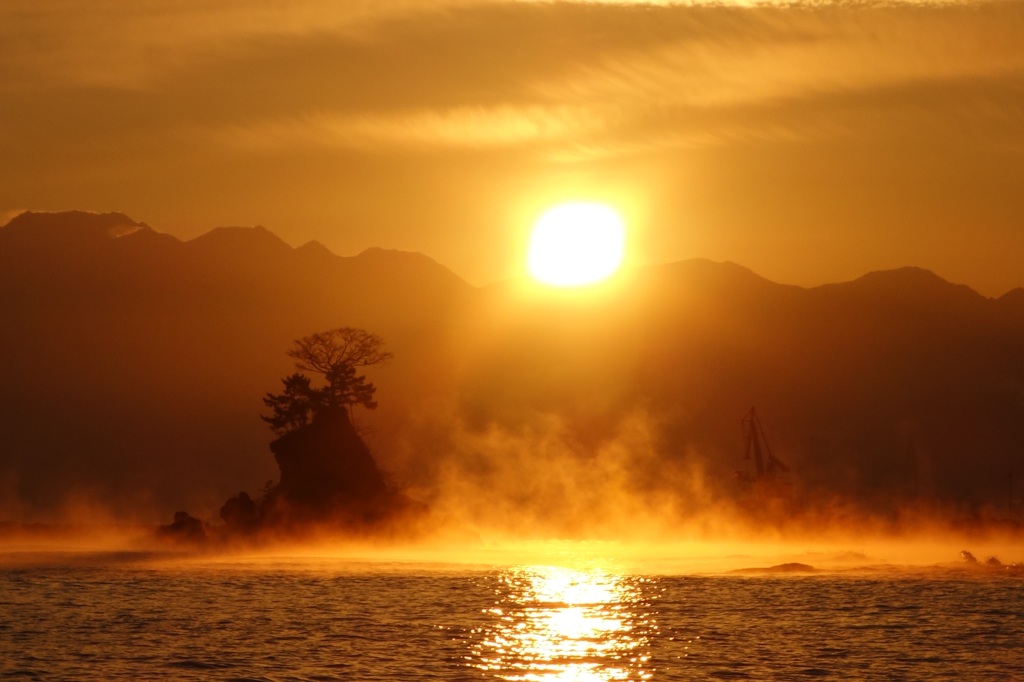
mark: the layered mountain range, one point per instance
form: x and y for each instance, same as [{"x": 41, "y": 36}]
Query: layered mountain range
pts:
[{"x": 133, "y": 366}]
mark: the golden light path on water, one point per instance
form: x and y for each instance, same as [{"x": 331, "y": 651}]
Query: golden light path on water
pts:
[{"x": 552, "y": 623}]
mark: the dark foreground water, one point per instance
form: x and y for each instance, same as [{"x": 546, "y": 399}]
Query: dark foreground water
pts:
[{"x": 132, "y": 621}]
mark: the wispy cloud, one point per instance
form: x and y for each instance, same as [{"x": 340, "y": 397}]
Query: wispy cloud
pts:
[
  {"x": 106, "y": 43},
  {"x": 805, "y": 73},
  {"x": 463, "y": 127},
  {"x": 615, "y": 79}
]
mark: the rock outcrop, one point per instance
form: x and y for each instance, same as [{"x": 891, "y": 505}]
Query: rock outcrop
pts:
[
  {"x": 185, "y": 529},
  {"x": 328, "y": 479},
  {"x": 326, "y": 469},
  {"x": 241, "y": 513}
]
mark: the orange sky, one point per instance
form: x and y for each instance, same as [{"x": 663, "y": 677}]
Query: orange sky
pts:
[{"x": 811, "y": 143}]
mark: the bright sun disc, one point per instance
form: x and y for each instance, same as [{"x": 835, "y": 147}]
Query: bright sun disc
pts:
[{"x": 576, "y": 243}]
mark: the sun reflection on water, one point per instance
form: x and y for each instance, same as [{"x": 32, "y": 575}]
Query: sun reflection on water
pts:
[{"x": 551, "y": 623}]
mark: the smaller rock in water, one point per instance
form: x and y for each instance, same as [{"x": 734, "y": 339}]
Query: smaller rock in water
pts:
[
  {"x": 185, "y": 528},
  {"x": 791, "y": 567}
]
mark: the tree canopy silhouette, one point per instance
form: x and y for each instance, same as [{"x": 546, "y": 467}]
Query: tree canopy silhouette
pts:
[{"x": 336, "y": 354}]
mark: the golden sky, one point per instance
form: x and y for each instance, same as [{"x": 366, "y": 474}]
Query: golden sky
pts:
[{"x": 811, "y": 142}]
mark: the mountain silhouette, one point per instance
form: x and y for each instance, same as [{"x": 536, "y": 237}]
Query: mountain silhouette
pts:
[{"x": 134, "y": 365}]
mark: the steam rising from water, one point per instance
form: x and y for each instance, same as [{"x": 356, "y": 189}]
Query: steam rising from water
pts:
[{"x": 542, "y": 494}]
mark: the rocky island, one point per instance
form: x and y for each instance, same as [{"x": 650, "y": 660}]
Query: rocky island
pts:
[{"x": 329, "y": 480}]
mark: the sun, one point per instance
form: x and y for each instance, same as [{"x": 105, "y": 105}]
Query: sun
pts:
[{"x": 576, "y": 243}]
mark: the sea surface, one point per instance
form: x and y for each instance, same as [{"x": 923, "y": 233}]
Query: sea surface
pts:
[{"x": 123, "y": 619}]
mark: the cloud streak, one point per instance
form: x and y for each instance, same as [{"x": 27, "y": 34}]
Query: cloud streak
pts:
[
  {"x": 464, "y": 127},
  {"x": 473, "y": 65},
  {"x": 718, "y": 76}
]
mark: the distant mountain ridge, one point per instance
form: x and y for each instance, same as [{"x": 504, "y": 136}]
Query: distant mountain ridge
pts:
[
  {"x": 72, "y": 224},
  {"x": 134, "y": 364},
  {"x": 55, "y": 230}
]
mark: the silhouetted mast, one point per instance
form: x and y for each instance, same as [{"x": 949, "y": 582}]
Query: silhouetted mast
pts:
[{"x": 767, "y": 467}]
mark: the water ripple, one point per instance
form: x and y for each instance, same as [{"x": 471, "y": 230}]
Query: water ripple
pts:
[{"x": 531, "y": 623}]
